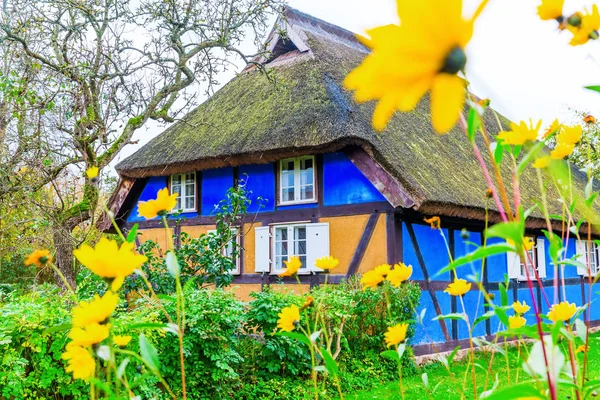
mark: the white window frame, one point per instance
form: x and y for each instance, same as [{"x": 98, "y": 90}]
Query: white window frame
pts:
[
  {"x": 317, "y": 245},
  {"x": 297, "y": 186},
  {"x": 582, "y": 251},
  {"x": 291, "y": 247},
  {"x": 183, "y": 195},
  {"x": 227, "y": 250},
  {"x": 516, "y": 268}
]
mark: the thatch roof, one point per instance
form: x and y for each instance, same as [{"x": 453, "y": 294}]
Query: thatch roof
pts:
[{"x": 306, "y": 110}]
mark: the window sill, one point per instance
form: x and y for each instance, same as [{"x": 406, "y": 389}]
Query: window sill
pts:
[
  {"x": 300, "y": 272},
  {"x": 295, "y": 203},
  {"x": 182, "y": 211},
  {"x": 524, "y": 279}
]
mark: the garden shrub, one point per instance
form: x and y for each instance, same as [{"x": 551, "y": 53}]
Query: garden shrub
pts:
[{"x": 274, "y": 354}]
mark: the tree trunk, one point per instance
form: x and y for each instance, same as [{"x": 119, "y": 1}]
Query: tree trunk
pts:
[{"x": 64, "y": 246}]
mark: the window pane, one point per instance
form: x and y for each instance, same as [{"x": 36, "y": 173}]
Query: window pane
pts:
[
  {"x": 176, "y": 179},
  {"x": 287, "y": 194},
  {"x": 190, "y": 178},
  {"x": 189, "y": 203},
  {"x": 307, "y": 193},
  {"x": 307, "y": 163},
  {"x": 178, "y": 203}
]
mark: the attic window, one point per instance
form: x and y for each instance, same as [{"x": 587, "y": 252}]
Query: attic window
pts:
[
  {"x": 297, "y": 180},
  {"x": 283, "y": 46},
  {"x": 185, "y": 186}
]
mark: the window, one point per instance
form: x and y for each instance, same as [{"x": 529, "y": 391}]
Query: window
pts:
[
  {"x": 229, "y": 248},
  {"x": 537, "y": 255},
  {"x": 589, "y": 257},
  {"x": 185, "y": 186},
  {"x": 297, "y": 180},
  {"x": 277, "y": 243}
]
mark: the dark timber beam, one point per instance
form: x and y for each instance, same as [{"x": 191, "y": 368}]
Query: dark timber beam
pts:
[{"x": 362, "y": 244}]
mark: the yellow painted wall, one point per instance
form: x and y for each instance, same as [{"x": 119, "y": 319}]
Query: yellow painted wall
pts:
[
  {"x": 158, "y": 235},
  {"x": 197, "y": 230},
  {"x": 243, "y": 291},
  {"x": 344, "y": 235},
  {"x": 376, "y": 252}
]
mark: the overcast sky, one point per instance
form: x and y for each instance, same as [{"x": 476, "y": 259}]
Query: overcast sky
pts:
[{"x": 524, "y": 65}]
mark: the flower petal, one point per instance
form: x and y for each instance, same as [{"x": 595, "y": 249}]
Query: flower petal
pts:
[{"x": 447, "y": 100}]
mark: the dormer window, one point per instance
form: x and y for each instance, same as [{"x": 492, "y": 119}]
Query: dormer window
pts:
[
  {"x": 297, "y": 180},
  {"x": 185, "y": 186}
]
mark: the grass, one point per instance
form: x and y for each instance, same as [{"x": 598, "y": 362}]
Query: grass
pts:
[{"x": 443, "y": 386}]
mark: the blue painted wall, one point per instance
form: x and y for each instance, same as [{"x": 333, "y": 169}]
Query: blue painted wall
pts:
[
  {"x": 433, "y": 249},
  {"x": 150, "y": 192},
  {"x": 215, "y": 184},
  {"x": 260, "y": 181},
  {"x": 344, "y": 183}
]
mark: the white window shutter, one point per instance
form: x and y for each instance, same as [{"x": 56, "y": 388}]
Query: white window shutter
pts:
[
  {"x": 540, "y": 249},
  {"x": 262, "y": 253},
  {"x": 580, "y": 249},
  {"x": 513, "y": 265},
  {"x": 317, "y": 243}
]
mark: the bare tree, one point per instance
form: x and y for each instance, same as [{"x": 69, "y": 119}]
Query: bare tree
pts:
[{"x": 101, "y": 69}]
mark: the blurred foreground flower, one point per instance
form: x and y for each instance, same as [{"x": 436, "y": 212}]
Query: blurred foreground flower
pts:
[
  {"x": 516, "y": 321},
  {"x": 399, "y": 274},
  {"x": 520, "y": 308},
  {"x": 424, "y": 53},
  {"x": 95, "y": 311},
  {"x": 458, "y": 287},
  {"x": 327, "y": 263},
  {"x": 371, "y": 279},
  {"x": 293, "y": 264},
  {"x": 562, "y": 311},
  {"x": 80, "y": 362}
]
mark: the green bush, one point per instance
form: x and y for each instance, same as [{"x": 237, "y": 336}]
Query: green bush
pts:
[{"x": 273, "y": 354}]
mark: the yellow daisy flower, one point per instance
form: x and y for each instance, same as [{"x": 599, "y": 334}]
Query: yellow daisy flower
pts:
[
  {"x": 108, "y": 260},
  {"x": 289, "y": 317},
  {"x": 554, "y": 127},
  {"x": 588, "y": 29},
  {"x": 562, "y": 311},
  {"x": 371, "y": 279},
  {"x": 520, "y": 134},
  {"x": 293, "y": 264},
  {"x": 570, "y": 134},
  {"x": 95, "y": 311},
  {"x": 424, "y": 53},
  {"x": 92, "y": 172},
  {"x": 541, "y": 162},
  {"x": 395, "y": 334},
  {"x": 582, "y": 349},
  {"x": 399, "y": 274},
  {"x": 89, "y": 334},
  {"x": 80, "y": 362},
  {"x": 562, "y": 150},
  {"x": 550, "y": 9},
  {"x": 458, "y": 288},
  {"x": 520, "y": 308},
  {"x": 39, "y": 258},
  {"x": 516, "y": 321},
  {"x": 121, "y": 341},
  {"x": 161, "y": 206},
  {"x": 383, "y": 269},
  {"x": 327, "y": 263}
]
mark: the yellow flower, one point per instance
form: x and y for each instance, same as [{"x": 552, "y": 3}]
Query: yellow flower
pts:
[
  {"x": 89, "y": 334},
  {"x": 81, "y": 362},
  {"x": 542, "y": 162},
  {"x": 109, "y": 261},
  {"x": 520, "y": 308},
  {"x": 327, "y": 263},
  {"x": 395, "y": 334},
  {"x": 434, "y": 222},
  {"x": 92, "y": 172},
  {"x": 399, "y": 274},
  {"x": 520, "y": 134},
  {"x": 308, "y": 302},
  {"x": 425, "y": 52},
  {"x": 371, "y": 279},
  {"x": 516, "y": 321},
  {"x": 570, "y": 134},
  {"x": 589, "y": 119},
  {"x": 588, "y": 28},
  {"x": 383, "y": 269},
  {"x": 161, "y": 206},
  {"x": 554, "y": 127},
  {"x": 458, "y": 287},
  {"x": 95, "y": 311},
  {"x": 550, "y": 9},
  {"x": 582, "y": 349},
  {"x": 39, "y": 258},
  {"x": 289, "y": 317},
  {"x": 293, "y": 264},
  {"x": 121, "y": 341},
  {"x": 562, "y": 150},
  {"x": 562, "y": 311}
]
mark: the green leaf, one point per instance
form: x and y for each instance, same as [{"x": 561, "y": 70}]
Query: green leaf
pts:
[
  {"x": 498, "y": 153},
  {"x": 482, "y": 252},
  {"x": 453, "y": 316},
  {"x": 484, "y": 317},
  {"x": 330, "y": 363},
  {"x": 594, "y": 88},
  {"x": 531, "y": 154},
  {"x": 189, "y": 283},
  {"x": 296, "y": 336},
  {"x": 452, "y": 355},
  {"x": 503, "y": 295},
  {"x": 146, "y": 325},
  {"x": 132, "y": 234},
  {"x": 390, "y": 354},
  {"x": 57, "y": 328},
  {"x": 149, "y": 353},
  {"x": 122, "y": 366},
  {"x": 473, "y": 124},
  {"x": 513, "y": 230},
  {"x": 516, "y": 392}
]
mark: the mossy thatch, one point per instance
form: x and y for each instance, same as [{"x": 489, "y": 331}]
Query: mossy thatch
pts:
[{"x": 251, "y": 120}]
